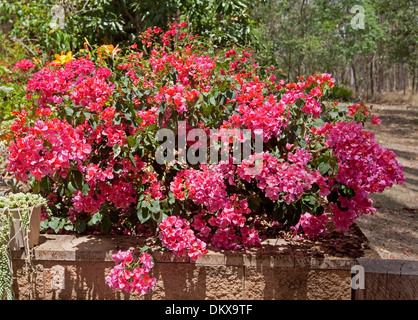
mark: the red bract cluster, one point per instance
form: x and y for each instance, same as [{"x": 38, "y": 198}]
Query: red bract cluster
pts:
[
  {"x": 204, "y": 187},
  {"x": 257, "y": 112},
  {"x": 46, "y": 149},
  {"x": 54, "y": 83},
  {"x": 24, "y": 65},
  {"x": 131, "y": 276},
  {"x": 89, "y": 137},
  {"x": 231, "y": 231},
  {"x": 91, "y": 93}
]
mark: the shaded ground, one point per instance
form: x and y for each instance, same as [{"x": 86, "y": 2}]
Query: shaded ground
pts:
[{"x": 393, "y": 230}]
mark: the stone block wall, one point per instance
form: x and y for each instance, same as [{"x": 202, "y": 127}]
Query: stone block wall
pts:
[{"x": 74, "y": 267}]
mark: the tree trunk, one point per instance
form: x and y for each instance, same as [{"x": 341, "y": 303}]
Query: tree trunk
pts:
[
  {"x": 366, "y": 79},
  {"x": 353, "y": 78},
  {"x": 394, "y": 78},
  {"x": 372, "y": 77},
  {"x": 380, "y": 77}
]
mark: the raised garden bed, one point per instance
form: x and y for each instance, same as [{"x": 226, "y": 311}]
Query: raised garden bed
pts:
[{"x": 74, "y": 267}]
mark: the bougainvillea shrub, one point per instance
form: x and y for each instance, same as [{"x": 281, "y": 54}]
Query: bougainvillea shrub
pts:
[{"x": 88, "y": 138}]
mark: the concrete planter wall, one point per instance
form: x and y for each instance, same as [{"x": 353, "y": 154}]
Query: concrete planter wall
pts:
[
  {"x": 74, "y": 267},
  {"x": 18, "y": 233}
]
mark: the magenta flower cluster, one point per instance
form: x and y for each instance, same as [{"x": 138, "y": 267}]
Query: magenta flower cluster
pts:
[
  {"x": 176, "y": 235},
  {"x": 283, "y": 180},
  {"x": 24, "y": 65},
  {"x": 364, "y": 166},
  {"x": 47, "y": 148},
  {"x": 131, "y": 276}
]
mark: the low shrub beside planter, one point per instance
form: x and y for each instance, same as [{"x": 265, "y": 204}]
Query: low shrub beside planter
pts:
[
  {"x": 23, "y": 210},
  {"x": 20, "y": 218},
  {"x": 18, "y": 233}
]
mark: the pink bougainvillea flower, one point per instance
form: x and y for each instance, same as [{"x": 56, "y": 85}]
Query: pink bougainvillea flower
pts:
[
  {"x": 131, "y": 276},
  {"x": 176, "y": 235},
  {"x": 376, "y": 120},
  {"x": 312, "y": 225},
  {"x": 24, "y": 65}
]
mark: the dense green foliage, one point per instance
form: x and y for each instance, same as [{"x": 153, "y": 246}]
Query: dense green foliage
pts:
[
  {"x": 299, "y": 37},
  {"x": 62, "y": 25}
]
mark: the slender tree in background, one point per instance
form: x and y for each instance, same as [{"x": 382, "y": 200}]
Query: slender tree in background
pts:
[{"x": 319, "y": 35}]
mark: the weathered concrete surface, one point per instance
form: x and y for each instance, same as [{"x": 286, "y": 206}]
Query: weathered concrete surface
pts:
[{"x": 75, "y": 267}]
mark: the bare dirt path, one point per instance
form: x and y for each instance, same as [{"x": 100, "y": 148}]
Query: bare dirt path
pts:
[{"x": 393, "y": 230}]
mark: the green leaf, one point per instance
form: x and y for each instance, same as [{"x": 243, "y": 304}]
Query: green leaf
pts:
[
  {"x": 302, "y": 143},
  {"x": 92, "y": 123},
  {"x": 155, "y": 206},
  {"x": 35, "y": 185},
  {"x": 131, "y": 157},
  {"x": 158, "y": 217},
  {"x": 5, "y": 91},
  {"x": 45, "y": 184},
  {"x": 71, "y": 188},
  {"x": 68, "y": 227},
  {"x": 118, "y": 168},
  {"x": 171, "y": 199},
  {"x": 80, "y": 226},
  {"x": 47, "y": 144},
  {"x": 85, "y": 189},
  {"x": 95, "y": 218},
  {"x": 206, "y": 110},
  {"x": 61, "y": 225},
  {"x": 230, "y": 94},
  {"x": 131, "y": 141},
  {"x": 174, "y": 76},
  {"x": 69, "y": 111},
  {"x": 145, "y": 248},
  {"x": 324, "y": 167},
  {"x": 77, "y": 179},
  {"x": 44, "y": 225},
  {"x": 106, "y": 225},
  {"x": 54, "y": 224},
  {"x": 309, "y": 199},
  {"x": 318, "y": 123},
  {"x": 212, "y": 100}
]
